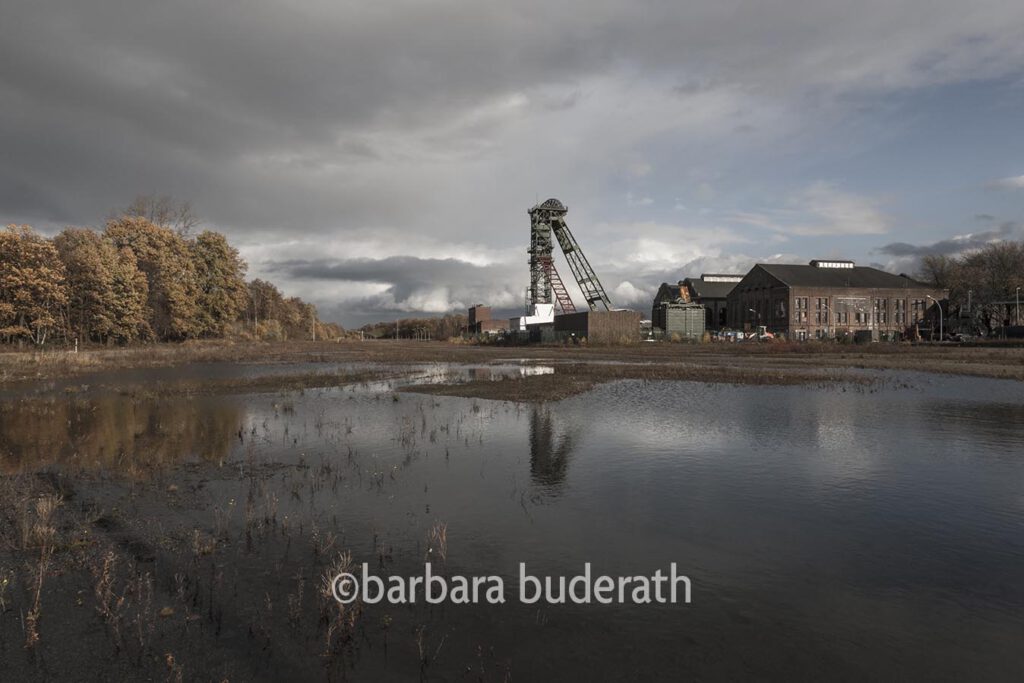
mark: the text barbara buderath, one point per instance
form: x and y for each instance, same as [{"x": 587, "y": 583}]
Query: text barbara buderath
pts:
[{"x": 659, "y": 588}]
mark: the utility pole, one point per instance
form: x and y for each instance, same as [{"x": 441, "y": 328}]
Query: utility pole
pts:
[{"x": 1017, "y": 307}]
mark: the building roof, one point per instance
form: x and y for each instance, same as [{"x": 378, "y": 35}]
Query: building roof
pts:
[
  {"x": 681, "y": 304},
  {"x": 710, "y": 290},
  {"x": 856, "y": 276}
]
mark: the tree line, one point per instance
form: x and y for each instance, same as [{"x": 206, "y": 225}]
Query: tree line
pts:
[
  {"x": 442, "y": 327},
  {"x": 982, "y": 284},
  {"x": 140, "y": 280}
]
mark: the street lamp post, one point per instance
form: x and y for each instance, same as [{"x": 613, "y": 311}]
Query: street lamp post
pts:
[
  {"x": 940, "y": 317},
  {"x": 1017, "y": 307},
  {"x": 757, "y": 332}
]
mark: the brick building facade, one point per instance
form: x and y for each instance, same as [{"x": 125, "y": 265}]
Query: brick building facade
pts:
[{"x": 827, "y": 299}]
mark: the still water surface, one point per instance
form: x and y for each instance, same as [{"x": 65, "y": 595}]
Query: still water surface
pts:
[{"x": 828, "y": 533}]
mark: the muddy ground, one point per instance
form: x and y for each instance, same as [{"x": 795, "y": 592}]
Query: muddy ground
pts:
[{"x": 995, "y": 360}]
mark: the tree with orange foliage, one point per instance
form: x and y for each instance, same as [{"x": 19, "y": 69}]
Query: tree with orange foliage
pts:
[
  {"x": 106, "y": 290},
  {"x": 32, "y": 286},
  {"x": 165, "y": 258}
]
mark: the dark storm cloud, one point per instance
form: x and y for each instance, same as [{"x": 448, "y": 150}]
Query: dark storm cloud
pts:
[
  {"x": 106, "y": 99},
  {"x": 374, "y": 270},
  {"x": 954, "y": 245},
  {"x": 404, "y": 285},
  {"x": 405, "y": 275},
  {"x": 307, "y": 125},
  {"x": 256, "y": 110}
]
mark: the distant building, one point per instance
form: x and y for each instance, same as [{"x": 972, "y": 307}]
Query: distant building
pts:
[
  {"x": 831, "y": 299},
  {"x": 480, "y": 321},
  {"x": 710, "y": 290},
  {"x": 478, "y": 312}
]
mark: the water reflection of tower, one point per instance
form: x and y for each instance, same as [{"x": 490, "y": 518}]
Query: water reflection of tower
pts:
[{"x": 549, "y": 453}]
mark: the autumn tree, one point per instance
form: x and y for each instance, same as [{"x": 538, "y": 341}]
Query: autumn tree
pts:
[
  {"x": 139, "y": 280},
  {"x": 106, "y": 291},
  {"x": 272, "y": 316},
  {"x": 130, "y": 315},
  {"x": 32, "y": 286},
  {"x": 220, "y": 275},
  {"x": 165, "y": 258},
  {"x": 87, "y": 266},
  {"x": 442, "y": 327},
  {"x": 265, "y": 303},
  {"x": 295, "y": 318},
  {"x": 163, "y": 211}
]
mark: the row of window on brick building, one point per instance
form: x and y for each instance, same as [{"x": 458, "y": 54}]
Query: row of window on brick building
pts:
[{"x": 819, "y": 310}]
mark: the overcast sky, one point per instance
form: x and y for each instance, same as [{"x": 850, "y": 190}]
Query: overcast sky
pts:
[{"x": 379, "y": 158}]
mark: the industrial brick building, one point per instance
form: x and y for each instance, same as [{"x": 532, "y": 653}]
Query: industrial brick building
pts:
[
  {"x": 827, "y": 299},
  {"x": 481, "y": 322},
  {"x": 709, "y": 290}
]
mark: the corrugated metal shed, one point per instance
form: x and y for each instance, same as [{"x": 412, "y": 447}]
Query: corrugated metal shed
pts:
[
  {"x": 541, "y": 333},
  {"x": 686, "y": 320},
  {"x": 600, "y": 327}
]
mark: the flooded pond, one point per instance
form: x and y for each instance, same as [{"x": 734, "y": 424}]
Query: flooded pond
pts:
[{"x": 848, "y": 532}]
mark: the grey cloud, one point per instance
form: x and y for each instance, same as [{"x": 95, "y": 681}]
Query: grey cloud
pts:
[
  {"x": 412, "y": 286},
  {"x": 904, "y": 249},
  {"x": 405, "y": 274},
  {"x": 954, "y": 245},
  {"x": 106, "y": 99},
  {"x": 327, "y": 117}
]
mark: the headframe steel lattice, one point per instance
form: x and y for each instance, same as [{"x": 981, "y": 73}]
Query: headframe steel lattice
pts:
[{"x": 547, "y": 219}]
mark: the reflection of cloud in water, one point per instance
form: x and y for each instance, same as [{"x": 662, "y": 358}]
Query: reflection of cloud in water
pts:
[
  {"x": 843, "y": 452},
  {"x": 549, "y": 451},
  {"x": 442, "y": 373},
  {"x": 497, "y": 372},
  {"x": 658, "y": 419}
]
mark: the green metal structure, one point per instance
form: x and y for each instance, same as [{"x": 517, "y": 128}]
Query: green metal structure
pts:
[{"x": 547, "y": 220}]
